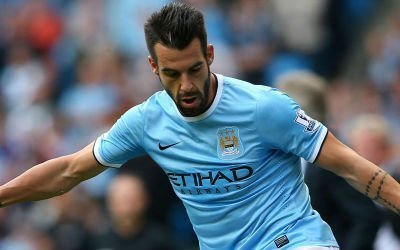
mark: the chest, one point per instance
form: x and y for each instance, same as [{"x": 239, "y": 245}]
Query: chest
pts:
[{"x": 203, "y": 145}]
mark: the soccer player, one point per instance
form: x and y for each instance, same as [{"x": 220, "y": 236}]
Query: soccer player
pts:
[{"x": 231, "y": 149}]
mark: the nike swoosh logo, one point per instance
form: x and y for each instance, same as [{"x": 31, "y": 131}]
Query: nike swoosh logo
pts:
[{"x": 166, "y": 146}]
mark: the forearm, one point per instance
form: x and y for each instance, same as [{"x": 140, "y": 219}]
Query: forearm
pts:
[
  {"x": 363, "y": 175},
  {"x": 51, "y": 178},
  {"x": 42, "y": 181},
  {"x": 375, "y": 183}
]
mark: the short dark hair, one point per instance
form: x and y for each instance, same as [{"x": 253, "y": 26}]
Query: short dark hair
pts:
[{"x": 175, "y": 26}]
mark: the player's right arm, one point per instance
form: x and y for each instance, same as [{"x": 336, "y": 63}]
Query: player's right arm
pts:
[
  {"x": 51, "y": 178},
  {"x": 360, "y": 173}
]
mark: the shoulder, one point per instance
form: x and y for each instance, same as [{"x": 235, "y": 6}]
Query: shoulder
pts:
[
  {"x": 240, "y": 85},
  {"x": 275, "y": 107},
  {"x": 274, "y": 100},
  {"x": 148, "y": 107},
  {"x": 265, "y": 100},
  {"x": 242, "y": 89},
  {"x": 262, "y": 92}
]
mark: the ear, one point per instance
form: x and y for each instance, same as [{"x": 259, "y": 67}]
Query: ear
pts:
[
  {"x": 210, "y": 54},
  {"x": 153, "y": 65}
]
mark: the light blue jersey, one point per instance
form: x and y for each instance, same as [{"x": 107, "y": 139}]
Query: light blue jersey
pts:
[{"x": 236, "y": 167}]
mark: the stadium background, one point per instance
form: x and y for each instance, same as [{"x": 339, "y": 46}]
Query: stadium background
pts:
[{"x": 68, "y": 69}]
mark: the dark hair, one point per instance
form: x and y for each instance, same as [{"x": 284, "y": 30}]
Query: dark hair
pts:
[{"x": 175, "y": 26}]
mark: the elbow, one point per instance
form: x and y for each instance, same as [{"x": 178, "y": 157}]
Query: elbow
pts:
[
  {"x": 72, "y": 175},
  {"x": 348, "y": 170},
  {"x": 346, "y": 167}
]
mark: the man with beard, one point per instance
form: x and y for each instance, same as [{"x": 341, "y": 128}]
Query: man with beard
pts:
[{"x": 230, "y": 149}]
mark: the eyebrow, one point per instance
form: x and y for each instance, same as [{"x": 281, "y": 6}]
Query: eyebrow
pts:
[{"x": 174, "y": 70}]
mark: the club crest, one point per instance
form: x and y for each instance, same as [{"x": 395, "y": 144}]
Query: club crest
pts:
[{"x": 229, "y": 144}]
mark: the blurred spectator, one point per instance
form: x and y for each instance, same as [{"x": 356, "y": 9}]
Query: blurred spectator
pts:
[
  {"x": 251, "y": 39},
  {"x": 217, "y": 34},
  {"x": 383, "y": 53},
  {"x": 25, "y": 88},
  {"x": 26, "y": 238},
  {"x": 85, "y": 23},
  {"x": 165, "y": 206},
  {"x": 142, "y": 83},
  {"x": 24, "y": 78},
  {"x": 82, "y": 119},
  {"x": 370, "y": 136},
  {"x": 68, "y": 219},
  {"x": 32, "y": 21},
  {"x": 124, "y": 20},
  {"x": 345, "y": 22},
  {"x": 382, "y": 66},
  {"x": 302, "y": 32},
  {"x": 351, "y": 222},
  {"x": 127, "y": 202},
  {"x": 3, "y": 154},
  {"x": 43, "y": 25},
  {"x": 300, "y": 24},
  {"x": 215, "y": 20},
  {"x": 321, "y": 31},
  {"x": 392, "y": 108}
]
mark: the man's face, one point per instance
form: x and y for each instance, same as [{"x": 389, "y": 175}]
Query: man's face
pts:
[{"x": 185, "y": 75}]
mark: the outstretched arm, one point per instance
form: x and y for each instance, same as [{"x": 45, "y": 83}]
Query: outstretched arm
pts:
[
  {"x": 363, "y": 175},
  {"x": 51, "y": 178}
]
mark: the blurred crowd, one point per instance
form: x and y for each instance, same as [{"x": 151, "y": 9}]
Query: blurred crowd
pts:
[{"x": 70, "y": 68}]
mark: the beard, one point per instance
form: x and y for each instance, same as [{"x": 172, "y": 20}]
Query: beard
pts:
[{"x": 202, "y": 98}]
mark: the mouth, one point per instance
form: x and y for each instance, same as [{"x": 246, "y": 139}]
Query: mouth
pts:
[{"x": 189, "y": 102}]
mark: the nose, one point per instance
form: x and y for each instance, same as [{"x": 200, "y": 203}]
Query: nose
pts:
[{"x": 186, "y": 83}]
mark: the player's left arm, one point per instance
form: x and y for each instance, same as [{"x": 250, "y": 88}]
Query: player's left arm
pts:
[{"x": 360, "y": 173}]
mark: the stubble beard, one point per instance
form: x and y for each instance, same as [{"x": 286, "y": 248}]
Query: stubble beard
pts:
[{"x": 202, "y": 107}]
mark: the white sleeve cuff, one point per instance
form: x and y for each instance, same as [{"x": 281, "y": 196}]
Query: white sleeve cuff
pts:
[
  {"x": 98, "y": 156},
  {"x": 318, "y": 146}
]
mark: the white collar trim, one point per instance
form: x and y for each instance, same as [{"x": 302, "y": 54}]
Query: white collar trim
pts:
[{"x": 213, "y": 106}]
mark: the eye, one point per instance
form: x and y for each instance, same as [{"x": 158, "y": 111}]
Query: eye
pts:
[
  {"x": 171, "y": 74},
  {"x": 195, "y": 68}
]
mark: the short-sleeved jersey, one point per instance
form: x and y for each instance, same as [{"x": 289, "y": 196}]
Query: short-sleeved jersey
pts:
[{"x": 236, "y": 167}]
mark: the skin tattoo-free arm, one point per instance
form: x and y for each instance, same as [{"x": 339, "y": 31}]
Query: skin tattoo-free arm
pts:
[
  {"x": 360, "y": 173},
  {"x": 51, "y": 178}
]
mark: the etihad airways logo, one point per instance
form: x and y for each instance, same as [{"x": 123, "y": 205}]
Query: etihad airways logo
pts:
[{"x": 210, "y": 181}]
